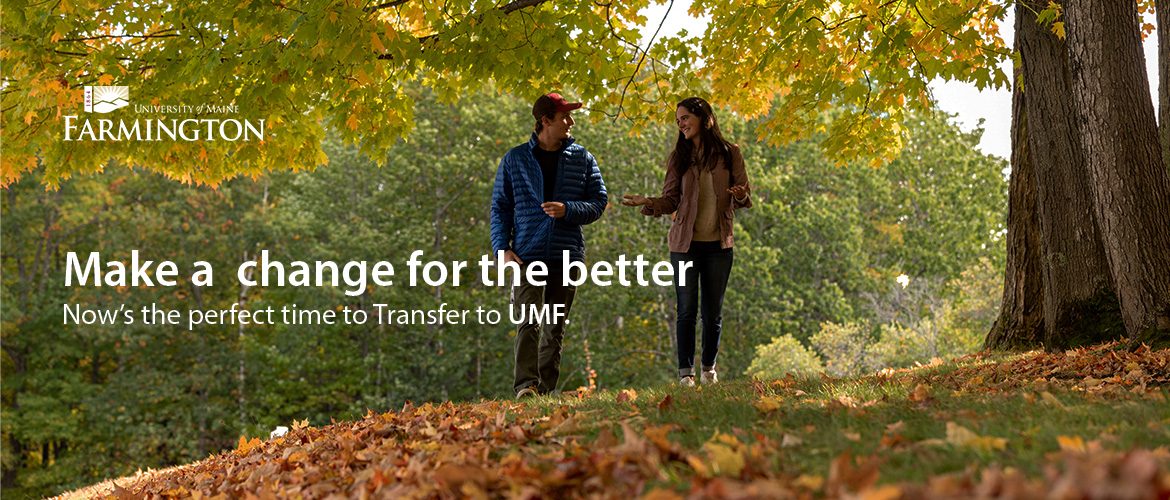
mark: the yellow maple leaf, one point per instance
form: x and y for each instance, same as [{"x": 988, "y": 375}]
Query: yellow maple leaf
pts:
[
  {"x": 768, "y": 404},
  {"x": 1071, "y": 443},
  {"x": 105, "y": 79},
  {"x": 724, "y": 460},
  {"x": 958, "y": 435}
]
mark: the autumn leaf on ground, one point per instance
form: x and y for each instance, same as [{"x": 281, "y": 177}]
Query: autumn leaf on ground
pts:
[
  {"x": 724, "y": 460},
  {"x": 245, "y": 446},
  {"x": 893, "y": 435},
  {"x": 920, "y": 394},
  {"x": 958, "y": 435},
  {"x": 666, "y": 403},
  {"x": 845, "y": 475},
  {"x": 768, "y": 404},
  {"x": 1047, "y": 397},
  {"x": 1071, "y": 443},
  {"x": 659, "y": 436},
  {"x": 627, "y": 396},
  {"x": 661, "y": 494}
]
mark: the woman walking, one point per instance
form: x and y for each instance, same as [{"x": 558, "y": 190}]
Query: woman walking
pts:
[{"x": 705, "y": 183}]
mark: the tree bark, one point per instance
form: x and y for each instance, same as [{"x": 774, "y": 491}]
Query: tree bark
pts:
[
  {"x": 1162, "y": 13},
  {"x": 1129, "y": 182},
  {"x": 1080, "y": 305},
  {"x": 1021, "y": 315}
]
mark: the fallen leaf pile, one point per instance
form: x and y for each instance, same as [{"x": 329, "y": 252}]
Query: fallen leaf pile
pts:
[
  {"x": 497, "y": 449},
  {"x": 1097, "y": 369}
]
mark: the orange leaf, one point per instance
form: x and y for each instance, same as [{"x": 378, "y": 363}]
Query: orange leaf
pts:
[
  {"x": 1071, "y": 443},
  {"x": 665, "y": 403},
  {"x": 627, "y": 396},
  {"x": 921, "y": 394}
]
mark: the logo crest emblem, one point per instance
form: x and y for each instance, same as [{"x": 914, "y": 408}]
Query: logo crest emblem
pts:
[{"x": 106, "y": 98}]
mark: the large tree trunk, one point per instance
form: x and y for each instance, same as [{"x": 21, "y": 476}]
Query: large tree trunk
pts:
[
  {"x": 1080, "y": 306},
  {"x": 1130, "y": 187},
  {"x": 1162, "y": 12},
  {"x": 1021, "y": 316}
]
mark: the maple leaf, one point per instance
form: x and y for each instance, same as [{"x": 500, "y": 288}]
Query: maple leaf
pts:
[
  {"x": 453, "y": 477},
  {"x": 1071, "y": 443},
  {"x": 958, "y": 435},
  {"x": 658, "y": 436},
  {"x": 627, "y": 396},
  {"x": 768, "y": 404},
  {"x": 666, "y": 403},
  {"x": 105, "y": 79},
  {"x": 725, "y": 456},
  {"x": 245, "y": 446},
  {"x": 921, "y": 394},
  {"x": 845, "y": 475}
]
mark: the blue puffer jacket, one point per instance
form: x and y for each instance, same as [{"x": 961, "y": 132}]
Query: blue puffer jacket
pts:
[{"x": 518, "y": 222}]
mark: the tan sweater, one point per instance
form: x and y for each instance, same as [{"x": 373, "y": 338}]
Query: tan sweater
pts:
[{"x": 707, "y": 216}]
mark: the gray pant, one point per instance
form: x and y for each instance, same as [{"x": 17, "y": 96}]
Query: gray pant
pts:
[{"x": 538, "y": 347}]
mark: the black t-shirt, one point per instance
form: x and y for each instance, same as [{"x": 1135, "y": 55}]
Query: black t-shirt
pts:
[{"x": 548, "y": 165}]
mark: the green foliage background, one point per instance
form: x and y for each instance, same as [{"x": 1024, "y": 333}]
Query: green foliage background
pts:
[{"x": 822, "y": 246}]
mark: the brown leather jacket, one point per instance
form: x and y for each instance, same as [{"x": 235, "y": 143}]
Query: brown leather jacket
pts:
[{"x": 681, "y": 197}]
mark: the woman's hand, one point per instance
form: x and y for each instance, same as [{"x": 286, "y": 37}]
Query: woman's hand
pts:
[
  {"x": 634, "y": 200},
  {"x": 740, "y": 191}
]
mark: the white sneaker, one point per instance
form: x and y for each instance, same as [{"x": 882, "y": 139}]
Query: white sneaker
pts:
[
  {"x": 709, "y": 377},
  {"x": 687, "y": 381}
]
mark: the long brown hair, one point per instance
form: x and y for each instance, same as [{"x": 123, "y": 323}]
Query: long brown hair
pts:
[{"x": 709, "y": 134}]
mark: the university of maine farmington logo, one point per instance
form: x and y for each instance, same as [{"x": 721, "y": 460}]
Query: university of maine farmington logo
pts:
[{"x": 106, "y": 98}]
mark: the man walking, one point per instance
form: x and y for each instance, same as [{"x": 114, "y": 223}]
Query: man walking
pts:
[{"x": 544, "y": 192}]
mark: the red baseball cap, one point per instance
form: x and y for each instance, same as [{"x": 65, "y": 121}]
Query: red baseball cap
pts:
[{"x": 552, "y": 103}]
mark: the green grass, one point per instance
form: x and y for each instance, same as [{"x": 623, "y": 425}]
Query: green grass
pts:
[
  {"x": 1035, "y": 413},
  {"x": 826, "y": 417}
]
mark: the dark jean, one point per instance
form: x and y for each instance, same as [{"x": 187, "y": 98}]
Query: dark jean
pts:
[
  {"x": 538, "y": 347},
  {"x": 706, "y": 279}
]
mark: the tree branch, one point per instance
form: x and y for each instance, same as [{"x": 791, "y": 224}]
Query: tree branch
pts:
[
  {"x": 520, "y": 4},
  {"x": 386, "y": 5}
]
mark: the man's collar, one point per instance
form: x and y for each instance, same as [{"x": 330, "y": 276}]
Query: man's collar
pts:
[{"x": 534, "y": 143}]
